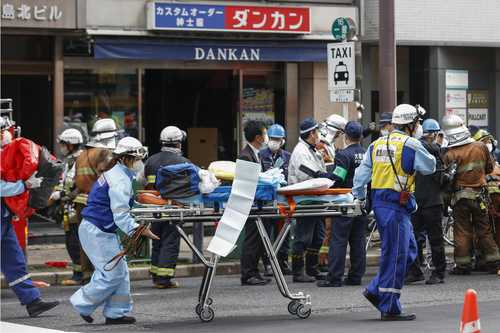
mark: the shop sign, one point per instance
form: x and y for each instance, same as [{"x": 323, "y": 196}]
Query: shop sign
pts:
[
  {"x": 456, "y": 98},
  {"x": 457, "y": 79},
  {"x": 477, "y": 99},
  {"x": 203, "y": 17},
  {"x": 462, "y": 113},
  {"x": 39, "y": 14},
  {"x": 477, "y": 117},
  {"x": 343, "y": 28},
  {"x": 341, "y": 66}
]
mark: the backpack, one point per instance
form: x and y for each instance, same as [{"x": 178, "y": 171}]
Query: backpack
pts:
[{"x": 178, "y": 181}]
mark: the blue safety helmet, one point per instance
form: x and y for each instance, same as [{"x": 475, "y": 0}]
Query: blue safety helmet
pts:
[
  {"x": 307, "y": 125},
  {"x": 385, "y": 118},
  {"x": 354, "y": 130},
  {"x": 430, "y": 125},
  {"x": 276, "y": 131}
]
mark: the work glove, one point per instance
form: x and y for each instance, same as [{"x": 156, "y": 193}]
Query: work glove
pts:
[
  {"x": 362, "y": 205},
  {"x": 55, "y": 196},
  {"x": 33, "y": 182}
]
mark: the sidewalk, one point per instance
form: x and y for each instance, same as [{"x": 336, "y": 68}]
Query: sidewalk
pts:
[{"x": 38, "y": 255}]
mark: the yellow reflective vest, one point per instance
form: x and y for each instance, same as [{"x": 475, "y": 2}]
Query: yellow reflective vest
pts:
[{"x": 383, "y": 176}]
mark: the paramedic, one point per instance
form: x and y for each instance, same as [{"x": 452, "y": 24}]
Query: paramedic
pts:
[
  {"x": 108, "y": 209},
  {"x": 274, "y": 156},
  {"x": 305, "y": 163}
]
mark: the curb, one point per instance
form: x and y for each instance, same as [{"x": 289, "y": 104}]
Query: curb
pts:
[{"x": 191, "y": 270}]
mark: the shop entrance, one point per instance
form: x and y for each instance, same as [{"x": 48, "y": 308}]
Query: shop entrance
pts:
[
  {"x": 212, "y": 106},
  {"x": 202, "y": 102}
]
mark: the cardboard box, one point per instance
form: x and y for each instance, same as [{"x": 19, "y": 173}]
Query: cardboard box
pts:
[{"x": 202, "y": 146}]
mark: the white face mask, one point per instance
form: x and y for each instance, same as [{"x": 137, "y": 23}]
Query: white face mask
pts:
[
  {"x": 274, "y": 145},
  {"x": 137, "y": 167},
  {"x": 490, "y": 147},
  {"x": 64, "y": 150},
  {"x": 6, "y": 138},
  {"x": 418, "y": 132},
  {"x": 384, "y": 132}
]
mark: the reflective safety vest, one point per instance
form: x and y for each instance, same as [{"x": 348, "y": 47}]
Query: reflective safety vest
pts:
[{"x": 383, "y": 176}]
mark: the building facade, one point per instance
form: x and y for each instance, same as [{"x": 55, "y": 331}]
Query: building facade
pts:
[
  {"x": 448, "y": 58},
  {"x": 205, "y": 66}
]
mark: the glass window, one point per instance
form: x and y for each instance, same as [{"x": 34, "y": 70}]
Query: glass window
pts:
[{"x": 92, "y": 94}]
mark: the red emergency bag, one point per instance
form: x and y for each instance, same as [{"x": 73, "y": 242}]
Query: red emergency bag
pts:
[{"x": 18, "y": 161}]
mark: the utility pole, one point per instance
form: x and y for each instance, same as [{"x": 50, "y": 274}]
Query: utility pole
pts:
[{"x": 387, "y": 56}]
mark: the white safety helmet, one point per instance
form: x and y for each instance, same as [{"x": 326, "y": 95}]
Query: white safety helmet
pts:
[
  {"x": 335, "y": 123},
  {"x": 132, "y": 147},
  {"x": 172, "y": 134},
  {"x": 104, "y": 134},
  {"x": 405, "y": 114},
  {"x": 455, "y": 130},
  {"x": 71, "y": 135}
]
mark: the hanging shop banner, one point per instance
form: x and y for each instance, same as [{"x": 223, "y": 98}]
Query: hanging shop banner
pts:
[
  {"x": 204, "y": 17},
  {"x": 456, "y": 98},
  {"x": 209, "y": 50},
  {"x": 477, "y": 117}
]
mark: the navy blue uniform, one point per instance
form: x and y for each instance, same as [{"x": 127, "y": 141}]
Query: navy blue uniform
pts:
[
  {"x": 279, "y": 160},
  {"x": 344, "y": 229}
]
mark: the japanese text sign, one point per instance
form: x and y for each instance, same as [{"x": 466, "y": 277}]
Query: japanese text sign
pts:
[
  {"x": 175, "y": 16},
  {"x": 39, "y": 13}
]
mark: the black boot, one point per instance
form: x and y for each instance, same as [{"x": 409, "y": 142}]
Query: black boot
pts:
[
  {"x": 435, "y": 278},
  {"x": 125, "y": 320},
  {"x": 298, "y": 270},
  {"x": 398, "y": 317},
  {"x": 37, "y": 307},
  {"x": 285, "y": 268},
  {"x": 460, "y": 271},
  {"x": 312, "y": 263}
]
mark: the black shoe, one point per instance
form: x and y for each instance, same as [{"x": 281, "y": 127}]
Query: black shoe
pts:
[
  {"x": 397, "y": 317},
  {"x": 268, "y": 271},
  {"x": 285, "y": 268},
  {"x": 414, "y": 278},
  {"x": 125, "y": 320},
  {"x": 303, "y": 278},
  {"x": 328, "y": 283},
  {"x": 349, "y": 282},
  {"x": 321, "y": 277},
  {"x": 434, "y": 279},
  {"x": 371, "y": 298},
  {"x": 460, "y": 271},
  {"x": 88, "y": 319},
  {"x": 38, "y": 307},
  {"x": 255, "y": 281}
]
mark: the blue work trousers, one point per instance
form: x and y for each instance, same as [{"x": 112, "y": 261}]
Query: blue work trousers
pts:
[
  {"x": 14, "y": 263},
  {"x": 347, "y": 230},
  {"x": 108, "y": 288},
  {"x": 398, "y": 252}
]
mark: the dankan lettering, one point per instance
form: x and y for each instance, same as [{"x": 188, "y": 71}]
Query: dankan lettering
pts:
[{"x": 227, "y": 54}]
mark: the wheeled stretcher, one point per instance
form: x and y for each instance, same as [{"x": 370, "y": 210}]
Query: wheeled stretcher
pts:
[{"x": 332, "y": 202}]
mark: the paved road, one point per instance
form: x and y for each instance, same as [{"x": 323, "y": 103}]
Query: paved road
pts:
[{"x": 262, "y": 309}]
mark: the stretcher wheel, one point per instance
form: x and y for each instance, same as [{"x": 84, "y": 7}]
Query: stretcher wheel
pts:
[
  {"x": 303, "y": 312},
  {"x": 292, "y": 307},
  {"x": 198, "y": 308},
  {"x": 210, "y": 301},
  {"x": 207, "y": 314}
]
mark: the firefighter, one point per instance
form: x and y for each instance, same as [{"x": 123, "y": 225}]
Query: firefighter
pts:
[
  {"x": 306, "y": 163},
  {"x": 165, "y": 250},
  {"x": 89, "y": 165},
  {"x": 428, "y": 218},
  {"x": 107, "y": 210},
  {"x": 274, "y": 156},
  {"x": 70, "y": 142},
  {"x": 469, "y": 198},
  {"x": 347, "y": 230},
  {"x": 390, "y": 164}
]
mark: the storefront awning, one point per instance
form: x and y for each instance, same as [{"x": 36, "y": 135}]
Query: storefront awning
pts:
[{"x": 210, "y": 50}]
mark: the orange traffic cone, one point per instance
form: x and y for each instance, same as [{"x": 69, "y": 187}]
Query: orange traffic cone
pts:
[{"x": 470, "y": 314}]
